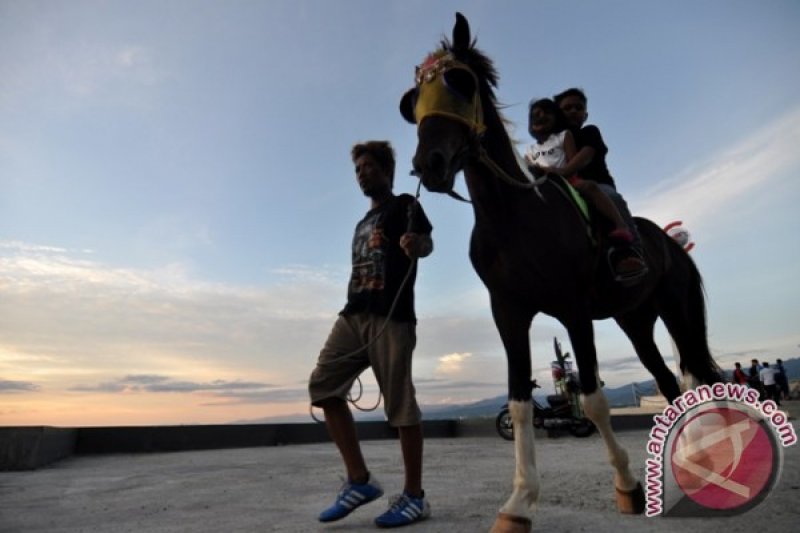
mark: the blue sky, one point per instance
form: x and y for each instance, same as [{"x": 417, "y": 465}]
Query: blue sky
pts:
[{"x": 177, "y": 198}]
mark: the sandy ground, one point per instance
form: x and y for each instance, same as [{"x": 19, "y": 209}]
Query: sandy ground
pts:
[{"x": 284, "y": 488}]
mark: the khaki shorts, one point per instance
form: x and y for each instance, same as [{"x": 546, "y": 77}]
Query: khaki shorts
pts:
[{"x": 389, "y": 356}]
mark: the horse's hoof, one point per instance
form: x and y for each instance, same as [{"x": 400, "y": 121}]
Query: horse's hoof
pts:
[
  {"x": 508, "y": 523},
  {"x": 631, "y": 502}
]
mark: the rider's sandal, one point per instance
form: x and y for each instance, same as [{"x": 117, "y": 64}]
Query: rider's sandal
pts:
[{"x": 627, "y": 265}]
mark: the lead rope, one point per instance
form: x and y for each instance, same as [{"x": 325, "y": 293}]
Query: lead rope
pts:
[
  {"x": 497, "y": 170},
  {"x": 533, "y": 183},
  {"x": 353, "y": 401}
]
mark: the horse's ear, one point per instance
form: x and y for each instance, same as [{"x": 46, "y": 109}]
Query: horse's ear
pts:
[
  {"x": 461, "y": 81},
  {"x": 461, "y": 33},
  {"x": 407, "y": 104}
]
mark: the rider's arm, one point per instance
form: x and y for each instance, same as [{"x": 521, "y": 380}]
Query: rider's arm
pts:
[{"x": 582, "y": 158}]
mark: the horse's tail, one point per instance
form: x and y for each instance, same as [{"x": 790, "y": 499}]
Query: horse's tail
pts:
[
  {"x": 691, "y": 335},
  {"x": 700, "y": 362}
]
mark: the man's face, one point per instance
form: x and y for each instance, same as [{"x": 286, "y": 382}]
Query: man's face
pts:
[
  {"x": 371, "y": 177},
  {"x": 575, "y": 111}
]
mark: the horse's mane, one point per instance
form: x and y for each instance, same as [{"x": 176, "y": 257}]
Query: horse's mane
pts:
[{"x": 484, "y": 69}]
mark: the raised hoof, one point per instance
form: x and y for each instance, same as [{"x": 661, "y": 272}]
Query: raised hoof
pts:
[
  {"x": 508, "y": 523},
  {"x": 631, "y": 502}
]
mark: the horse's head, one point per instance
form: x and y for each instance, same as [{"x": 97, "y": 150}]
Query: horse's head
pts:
[{"x": 446, "y": 104}]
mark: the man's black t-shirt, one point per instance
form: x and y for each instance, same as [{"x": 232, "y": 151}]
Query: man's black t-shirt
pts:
[
  {"x": 380, "y": 265},
  {"x": 596, "y": 170}
]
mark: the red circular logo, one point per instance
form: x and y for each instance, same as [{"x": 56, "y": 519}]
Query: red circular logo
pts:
[{"x": 723, "y": 458}]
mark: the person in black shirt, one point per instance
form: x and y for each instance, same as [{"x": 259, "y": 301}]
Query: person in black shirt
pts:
[
  {"x": 377, "y": 328},
  {"x": 589, "y": 164}
]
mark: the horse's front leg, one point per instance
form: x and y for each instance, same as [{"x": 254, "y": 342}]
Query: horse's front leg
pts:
[
  {"x": 513, "y": 325},
  {"x": 629, "y": 493}
]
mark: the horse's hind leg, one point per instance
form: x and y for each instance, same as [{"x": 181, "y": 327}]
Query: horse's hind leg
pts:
[
  {"x": 638, "y": 326},
  {"x": 630, "y": 496}
]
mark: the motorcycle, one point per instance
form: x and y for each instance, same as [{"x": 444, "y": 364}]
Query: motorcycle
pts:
[{"x": 558, "y": 416}]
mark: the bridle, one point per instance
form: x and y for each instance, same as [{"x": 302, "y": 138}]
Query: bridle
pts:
[{"x": 435, "y": 96}]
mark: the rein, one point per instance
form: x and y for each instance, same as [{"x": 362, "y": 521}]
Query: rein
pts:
[{"x": 497, "y": 170}]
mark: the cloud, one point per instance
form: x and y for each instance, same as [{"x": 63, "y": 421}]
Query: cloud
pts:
[
  {"x": 623, "y": 364},
  {"x": 19, "y": 246},
  {"x": 164, "y": 384},
  {"x": 453, "y": 333},
  {"x": 452, "y": 363},
  {"x": 264, "y": 397},
  {"x": 17, "y": 386},
  {"x": 75, "y": 316},
  {"x": 704, "y": 190},
  {"x": 45, "y": 75},
  {"x": 98, "y": 69}
]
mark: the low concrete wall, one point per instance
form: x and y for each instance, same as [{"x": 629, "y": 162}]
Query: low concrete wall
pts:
[
  {"x": 28, "y": 448},
  {"x": 180, "y": 438},
  {"x": 631, "y": 421}
]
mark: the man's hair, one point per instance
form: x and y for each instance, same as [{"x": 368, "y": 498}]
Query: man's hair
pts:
[
  {"x": 572, "y": 91},
  {"x": 381, "y": 151}
]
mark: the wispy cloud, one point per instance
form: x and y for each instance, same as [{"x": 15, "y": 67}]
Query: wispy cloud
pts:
[
  {"x": 63, "y": 313},
  {"x": 17, "y": 386},
  {"x": 297, "y": 395},
  {"x": 72, "y": 72},
  {"x": 93, "y": 69},
  {"x": 165, "y": 384},
  {"x": 704, "y": 190}
]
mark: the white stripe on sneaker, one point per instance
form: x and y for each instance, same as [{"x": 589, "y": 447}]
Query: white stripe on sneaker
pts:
[{"x": 352, "y": 499}]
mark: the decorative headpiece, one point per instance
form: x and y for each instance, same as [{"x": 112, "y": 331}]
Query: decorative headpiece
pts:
[{"x": 436, "y": 97}]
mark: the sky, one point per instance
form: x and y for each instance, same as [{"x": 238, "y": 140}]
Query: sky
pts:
[{"x": 177, "y": 198}]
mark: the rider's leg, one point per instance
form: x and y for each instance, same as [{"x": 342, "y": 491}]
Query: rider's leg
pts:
[
  {"x": 626, "y": 255},
  {"x": 600, "y": 201},
  {"x": 621, "y": 206}
]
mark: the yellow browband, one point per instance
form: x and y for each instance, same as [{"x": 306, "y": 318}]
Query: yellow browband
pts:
[{"x": 434, "y": 97}]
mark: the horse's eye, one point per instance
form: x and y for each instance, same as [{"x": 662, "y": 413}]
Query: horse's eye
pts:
[{"x": 461, "y": 81}]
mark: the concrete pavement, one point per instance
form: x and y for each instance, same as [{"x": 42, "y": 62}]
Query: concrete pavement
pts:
[{"x": 283, "y": 489}]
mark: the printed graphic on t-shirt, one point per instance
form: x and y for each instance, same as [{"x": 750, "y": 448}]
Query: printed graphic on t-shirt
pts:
[
  {"x": 537, "y": 153},
  {"x": 369, "y": 257}
]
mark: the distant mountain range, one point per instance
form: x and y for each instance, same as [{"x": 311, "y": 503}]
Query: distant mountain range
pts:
[{"x": 624, "y": 396}]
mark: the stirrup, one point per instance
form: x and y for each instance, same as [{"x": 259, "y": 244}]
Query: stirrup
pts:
[{"x": 618, "y": 254}]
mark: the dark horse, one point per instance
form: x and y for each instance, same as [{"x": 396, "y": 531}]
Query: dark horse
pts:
[{"x": 530, "y": 249}]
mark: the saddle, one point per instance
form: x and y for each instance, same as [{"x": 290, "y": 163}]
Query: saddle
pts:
[
  {"x": 580, "y": 205},
  {"x": 613, "y": 249}
]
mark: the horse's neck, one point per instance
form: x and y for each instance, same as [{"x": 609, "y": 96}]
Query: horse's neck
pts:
[{"x": 493, "y": 198}]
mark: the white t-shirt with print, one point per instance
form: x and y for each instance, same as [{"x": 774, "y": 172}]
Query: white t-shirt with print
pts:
[{"x": 550, "y": 153}]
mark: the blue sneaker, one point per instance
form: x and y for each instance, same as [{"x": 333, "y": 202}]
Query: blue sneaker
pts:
[
  {"x": 350, "y": 497},
  {"x": 403, "y": 510}
]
